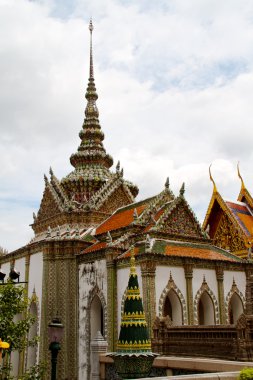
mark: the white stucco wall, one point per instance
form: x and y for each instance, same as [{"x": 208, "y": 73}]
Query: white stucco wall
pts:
[
  {"x": 88, "y": 280},
  {"x": 20, "y": 267},
  {"x": 162, "y": 278},
  {"x": 197, "y": 280},
  {"x": 6, "y": 269},
  {"x": 240, "y": 280}
]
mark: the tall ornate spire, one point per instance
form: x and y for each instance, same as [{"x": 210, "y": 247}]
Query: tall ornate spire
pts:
[{"x": 91, "y": 162}]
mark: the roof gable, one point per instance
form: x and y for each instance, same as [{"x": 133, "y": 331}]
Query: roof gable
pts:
[{"x": 177, "y": 218}]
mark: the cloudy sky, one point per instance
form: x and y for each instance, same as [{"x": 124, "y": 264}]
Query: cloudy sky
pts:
[{"x": 175, "y": 86}]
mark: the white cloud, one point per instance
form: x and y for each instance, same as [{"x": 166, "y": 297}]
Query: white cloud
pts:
[{"x": 175, "y": 85}]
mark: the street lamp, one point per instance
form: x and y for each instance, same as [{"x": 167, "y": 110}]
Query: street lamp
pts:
[
  {"x": 13, "y": 278},
  {"x": 55, "y": 333}
]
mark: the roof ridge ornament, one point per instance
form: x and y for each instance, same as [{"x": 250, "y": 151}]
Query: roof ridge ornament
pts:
[
  {"x": 239, "y": 175},
  {"x": 167, "y": 183},
  {"x": 182, "y": 190},
  {"x": 211, "y": 178}
]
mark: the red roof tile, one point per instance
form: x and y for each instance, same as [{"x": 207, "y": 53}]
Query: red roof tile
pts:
[
  {"x": 121, "y": 218},
  {"x": 199, "y": 253},
  {"x": 95, "y": 247}
]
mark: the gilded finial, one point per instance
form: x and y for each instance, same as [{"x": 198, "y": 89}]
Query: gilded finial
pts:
[
  {"x": 91, "y": 53},
  {"x": 211, "y": 178},
  {"x": 239, "y": 175},
  {"x": 132, "y": 263}
]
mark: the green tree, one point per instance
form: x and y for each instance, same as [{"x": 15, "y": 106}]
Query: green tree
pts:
[{"x": 15, "y": 322}]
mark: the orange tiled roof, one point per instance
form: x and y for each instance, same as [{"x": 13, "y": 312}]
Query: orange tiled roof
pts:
[
  {"x": 95, "y": 247},
  {"x": 121, "y": 218},
  {"x": 199, "y": 253},
  {"x": 182, "y": 250}
]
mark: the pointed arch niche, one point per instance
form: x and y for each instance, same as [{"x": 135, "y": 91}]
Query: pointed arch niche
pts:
[
  {"x": 96, "y": 319},
  {"x": 97, "y": 313},
  {"x": 172, "y": 304},
  {"x": 234, "y": 304},
  {"x": 206, "y": 310}
]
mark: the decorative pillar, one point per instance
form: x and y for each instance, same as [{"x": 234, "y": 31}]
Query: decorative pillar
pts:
[
  {"x": 112, "y": 312},
  {"x": 60, "y": 297},
  {"x": 98, "y": 346},
  {"x": 148, "y": 269},
  {"x": 249, "y": 292},
  {"x": 188, "y": 273},
  {"x": 220, "y": 283}
]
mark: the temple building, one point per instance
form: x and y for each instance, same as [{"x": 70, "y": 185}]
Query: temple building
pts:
[
  {"x": 230, "y": 223},
  {"x": 77, "y": 264}
]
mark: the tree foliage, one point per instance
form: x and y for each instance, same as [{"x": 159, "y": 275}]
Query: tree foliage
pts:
[
  {"x": 246, "y": 374},
  {"x": 15, "y": 322}
]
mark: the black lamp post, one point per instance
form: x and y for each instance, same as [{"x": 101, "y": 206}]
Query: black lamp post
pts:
[{"x": 55, "y": 333}]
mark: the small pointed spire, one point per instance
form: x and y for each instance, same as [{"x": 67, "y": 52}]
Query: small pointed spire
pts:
[
  {"x": 239, "y": 175},
  {"x": 58, "y": 231},
  {"x": 135, "y": 214},
  {"x": 45, "y": 179},
  {"x": 51, "y": 171},
  {"x": 108, "y": 237},
  {"x": 211, "y": 178},
  {"x": 118, "y": 167},
  {"x": 171, "y": 279},
  {"x": 68, "y": 230},
  {"x": 182, "y": 190},
  {"x": 77, "y": 232},
  {"x": 48, "y": 235},
  {"x": 204, "y": 279},
  {"x": 122, "y": 172},
  {"x": 132, "y": 264},
  {"x": 91, "y": 52},
  {"x": 167, "y": 183}
]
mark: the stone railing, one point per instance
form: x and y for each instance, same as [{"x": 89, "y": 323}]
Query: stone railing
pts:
[{"x": 231, "y": 342}]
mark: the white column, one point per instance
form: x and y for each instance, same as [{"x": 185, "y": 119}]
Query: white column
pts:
[{"x": 98, "y": 346}]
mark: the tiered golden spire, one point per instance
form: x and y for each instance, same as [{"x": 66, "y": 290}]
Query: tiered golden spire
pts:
[{"x": 91, "y": 162}]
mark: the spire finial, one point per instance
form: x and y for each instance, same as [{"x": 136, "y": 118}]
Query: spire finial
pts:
[
  {"x": 132, "y": 263},
  {"x": 167, "y": 183},
  {"x": 211, "y": 178},
  {"x": 239, "y": 175},
  {"x": 91, "y": 53}
]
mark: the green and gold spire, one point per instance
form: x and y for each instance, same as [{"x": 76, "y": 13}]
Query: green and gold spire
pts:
[
  {"x": 134, "y": 336},
  {"x": 91, "y": 162}
]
